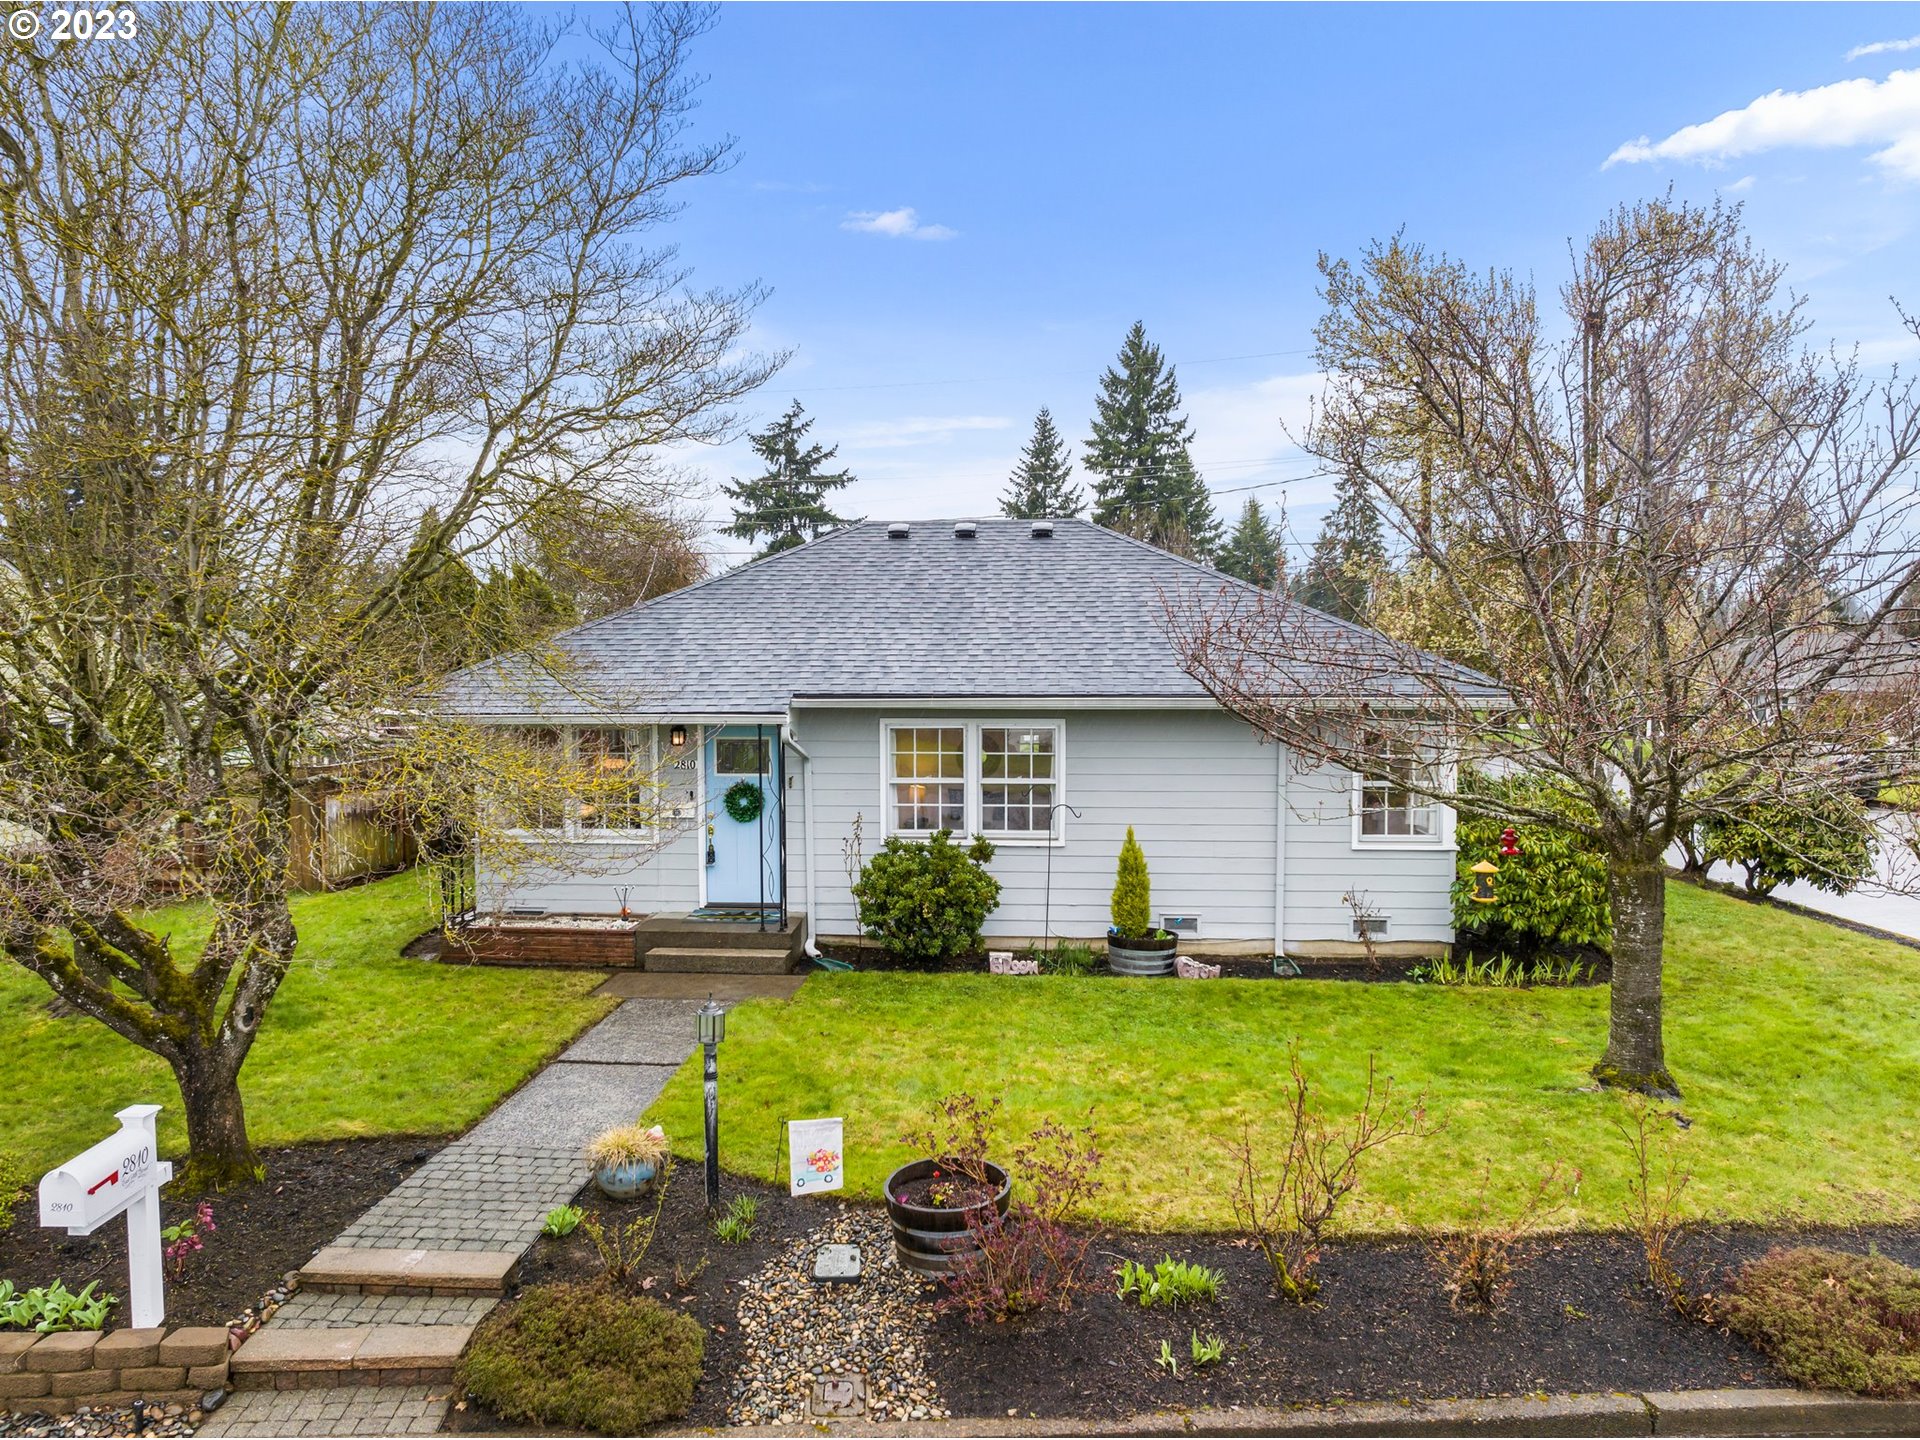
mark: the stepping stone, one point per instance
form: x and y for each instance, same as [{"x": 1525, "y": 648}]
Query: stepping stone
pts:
[
  {"x": 364, "y": 1354},
  {"x": 341, "y": 1268}
]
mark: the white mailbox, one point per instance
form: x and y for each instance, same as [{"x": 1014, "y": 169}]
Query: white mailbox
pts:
[{"x": 121, "y": 1175}]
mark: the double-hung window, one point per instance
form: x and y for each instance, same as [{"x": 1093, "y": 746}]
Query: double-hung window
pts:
[
  {"x": 1389, "y": 810},
  {"x": 614, "y": 766},
  {"x": 1001, "y": 779},
  {"x": 579, "y": 782},
  {"x": 928, "y": 787},
  {"x": 1017, "y": 780}
]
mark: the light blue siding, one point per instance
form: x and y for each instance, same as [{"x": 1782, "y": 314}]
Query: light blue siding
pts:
[{"x": 1203, "y": 795}]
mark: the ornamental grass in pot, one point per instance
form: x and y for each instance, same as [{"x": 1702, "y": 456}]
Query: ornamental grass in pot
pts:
[
  {"x": 627, "y": 1159},
  {"x": 1135, "y": 945},
  {"x": 930, "y": 1200}
]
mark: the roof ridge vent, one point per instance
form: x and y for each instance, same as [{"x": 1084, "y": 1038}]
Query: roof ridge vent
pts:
[
  {"x": 1042, "y": 529},
  {"x": 965, "y": 529},
  {"x": 897, "y": 529}
]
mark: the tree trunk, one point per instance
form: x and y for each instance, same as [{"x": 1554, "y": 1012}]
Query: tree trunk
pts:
[
  {"x": 219, "y": 1152},
  {"x": 1636, "y": 1057}
]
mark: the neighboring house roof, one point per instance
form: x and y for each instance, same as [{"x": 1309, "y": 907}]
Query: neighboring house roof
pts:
[{"x": 856, "y": 614}]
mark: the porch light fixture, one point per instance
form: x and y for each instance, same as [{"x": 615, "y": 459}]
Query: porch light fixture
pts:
[
  {"x": 677, "y": 736},
  {"x": 711, "y": 1027},
  {"x": 1483, "y": 874}
]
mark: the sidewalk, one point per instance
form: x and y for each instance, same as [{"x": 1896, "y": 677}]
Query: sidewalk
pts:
[{"x": 485, "y": 1195}]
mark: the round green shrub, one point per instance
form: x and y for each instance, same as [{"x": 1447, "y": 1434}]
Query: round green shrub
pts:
[
  {"x": 1824, "y": 840},
  {"x": 1554, "y": 892},
  {"x": 927, "y": 899},
  {"x": 585, "y": 1357},
  {"x": 1832, "y": 1320}
]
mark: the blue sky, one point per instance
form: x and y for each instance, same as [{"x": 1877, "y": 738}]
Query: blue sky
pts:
[{"x": 1067, "y": 169}]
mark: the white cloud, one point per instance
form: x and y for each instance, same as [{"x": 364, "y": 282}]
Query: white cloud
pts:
[
  {"x": 901, "y": 224},
  {"x": 1848, "y": 112},
  {"x": 1740, "y": 186},
  {"x": 919, "y": 430},
  {"x": 1884, "y": 47}
]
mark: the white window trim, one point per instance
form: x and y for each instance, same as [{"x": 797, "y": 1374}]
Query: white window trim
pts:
[
  {"x": 1441, "y": 840},
  {"x": 971, "y": 778},
  {"x": 570, "y": 831}
]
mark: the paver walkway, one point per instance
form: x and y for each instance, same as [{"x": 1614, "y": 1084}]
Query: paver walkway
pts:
[{"x": 490, "y": 1191}]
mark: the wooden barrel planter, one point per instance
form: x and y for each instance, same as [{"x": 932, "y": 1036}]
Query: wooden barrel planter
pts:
[
  {"x": 928, "y": 1238},
  {"x": 1140, "y": 957}
]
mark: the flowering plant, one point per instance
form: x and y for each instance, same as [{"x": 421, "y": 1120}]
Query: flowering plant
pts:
[{"x": 183, "y": 1239}]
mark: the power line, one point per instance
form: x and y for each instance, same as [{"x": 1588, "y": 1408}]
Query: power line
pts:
[{"x": 1055, "y": 375}]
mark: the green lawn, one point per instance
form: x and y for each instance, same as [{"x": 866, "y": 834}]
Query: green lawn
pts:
[
  {"x": 359, "y": 1041},
  {"x": 1797, "y": 1044}
]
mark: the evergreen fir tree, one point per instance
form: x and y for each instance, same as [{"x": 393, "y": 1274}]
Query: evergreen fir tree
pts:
[
  {"x": 1350, "y": 551},
  {"x": 1145, "y": 483},
  {"x": 787, "y": 503},
  {"x": 1252, "y": 552},
  {"x": 1039, "y": 488}
]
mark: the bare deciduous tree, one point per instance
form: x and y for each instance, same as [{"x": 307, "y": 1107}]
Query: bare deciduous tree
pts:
[
  {"x": 277, "y": 283},
  {"x": 1673, "y": 535}
]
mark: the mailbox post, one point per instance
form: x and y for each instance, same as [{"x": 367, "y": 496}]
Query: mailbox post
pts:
[{"x": 121, "y": 1175}]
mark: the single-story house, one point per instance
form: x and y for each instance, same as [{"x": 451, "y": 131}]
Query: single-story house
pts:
[{"x": 1008, "y": 677}]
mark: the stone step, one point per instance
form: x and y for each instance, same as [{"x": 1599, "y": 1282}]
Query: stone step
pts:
[
  {"x": 273, "y": 1359},
  {"x": 719, "y": 962},
  {"x": 347, "y": 1269},
  {"x": 331, "y": 1410}
]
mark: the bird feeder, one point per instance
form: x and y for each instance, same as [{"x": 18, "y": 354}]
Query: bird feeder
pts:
[
  {"x": 1509, "y": 844},
  {"x": 1483, "y": 874}
]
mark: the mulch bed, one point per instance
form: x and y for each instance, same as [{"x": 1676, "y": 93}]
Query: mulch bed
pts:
[
  {"x": 311, "y": 1194},
  {"x": 1387, "y": 971},
  {"x": 1580, "y": 1318}
]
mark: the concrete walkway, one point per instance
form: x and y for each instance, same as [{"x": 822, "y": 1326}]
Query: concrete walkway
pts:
[{"x": 485, "y": 1194}]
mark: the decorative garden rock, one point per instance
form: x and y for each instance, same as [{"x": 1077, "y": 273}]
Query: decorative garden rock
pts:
[
  {"x": 1189, "y": 969},
  {"x": 1001, "y": 962}
]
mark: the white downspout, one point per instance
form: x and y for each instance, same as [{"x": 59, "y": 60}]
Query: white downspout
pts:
[
  {"x": 1280, "y": 852},
  {"x": 811, "y": 950}
]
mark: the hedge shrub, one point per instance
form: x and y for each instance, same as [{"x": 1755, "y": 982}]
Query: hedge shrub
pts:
[
  {"x": 927, "y": 899},
  {"x": 584, "y": 1357},
  {"x": 1554, "y": 892},
  {"x": 1832, "y": 1320},
  {"x": 1824, "y": 840}
]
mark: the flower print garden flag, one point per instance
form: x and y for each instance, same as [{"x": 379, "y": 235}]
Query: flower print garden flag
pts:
[{"x": 814, "y": 1156}]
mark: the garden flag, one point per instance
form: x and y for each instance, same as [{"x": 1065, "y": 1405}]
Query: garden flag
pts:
[{"x": 814, "y": 1156}]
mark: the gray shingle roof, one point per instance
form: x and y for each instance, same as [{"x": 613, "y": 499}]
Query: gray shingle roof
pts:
[{"x": 856, "y": 614}]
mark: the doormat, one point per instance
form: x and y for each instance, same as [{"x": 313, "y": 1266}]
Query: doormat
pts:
[{"x": 736, "y": 914}]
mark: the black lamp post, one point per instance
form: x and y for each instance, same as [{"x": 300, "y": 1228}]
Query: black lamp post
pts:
[{"x": 712, "y": 1022}]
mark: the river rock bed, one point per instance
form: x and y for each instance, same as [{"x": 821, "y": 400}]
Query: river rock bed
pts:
[
  {"x": 163, "y": 1421},
  {"x": 794, "y": 1331}
]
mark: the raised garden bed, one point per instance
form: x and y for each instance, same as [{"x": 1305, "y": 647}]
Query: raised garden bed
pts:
[
  {"x": 583, "y": 942},
  {"x": 311, "y": 1194}
]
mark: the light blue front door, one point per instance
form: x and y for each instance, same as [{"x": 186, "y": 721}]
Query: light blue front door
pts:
[{"x": 743, "y": 865}]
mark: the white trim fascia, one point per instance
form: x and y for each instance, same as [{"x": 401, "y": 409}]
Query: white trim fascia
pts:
[
  {"x": 1002, "y": 702},
  {"x": 608, "y": 719}
]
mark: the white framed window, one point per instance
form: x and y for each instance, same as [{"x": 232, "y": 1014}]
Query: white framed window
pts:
[
  {"x": 1017, "y": 780},
  {"x": 618, "y": 801},
  {"x": 1001, "y": 778},
  {"x": 1389, "y": 813},
  {"x": 926, "y": 778}
]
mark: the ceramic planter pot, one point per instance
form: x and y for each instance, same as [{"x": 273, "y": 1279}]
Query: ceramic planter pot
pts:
[{"x": 625, "y": 1182}]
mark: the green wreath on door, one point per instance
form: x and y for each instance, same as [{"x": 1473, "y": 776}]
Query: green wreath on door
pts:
[{"x": 744, "y": 801}]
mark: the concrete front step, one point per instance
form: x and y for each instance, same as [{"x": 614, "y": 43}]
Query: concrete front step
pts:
[
  {"x": 347, "y": 1269},
  {"x": 678, "y": 932},
  {"x": 359, "y": 1355},
  {"x": 706, "y": 961}
]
